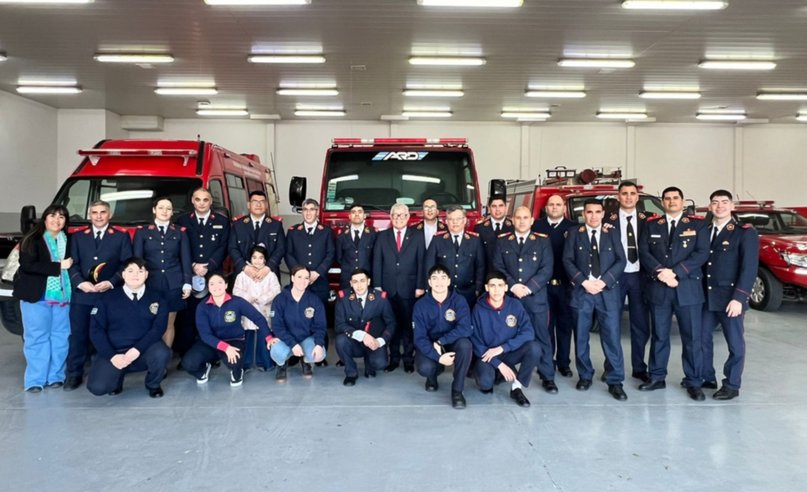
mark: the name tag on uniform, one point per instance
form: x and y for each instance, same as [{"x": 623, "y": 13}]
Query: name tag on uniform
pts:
[
  {"x": 217, "y": 226},
  {"x": 655, "y": 236},
  {"x": 689, "y": 232}
]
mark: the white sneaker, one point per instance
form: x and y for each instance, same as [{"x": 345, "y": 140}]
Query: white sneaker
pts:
[
  {"x": 203, "y": 378},
  {"x": 236, "y": 379}
]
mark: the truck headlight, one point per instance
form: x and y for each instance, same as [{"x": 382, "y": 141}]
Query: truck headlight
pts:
[{"x": 795, "y": 259}]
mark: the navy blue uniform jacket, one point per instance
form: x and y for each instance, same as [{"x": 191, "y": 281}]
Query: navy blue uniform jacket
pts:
[
  {"x": 508, "y": 326},
  {"x": 377, "y": 318},
  {"x": 315, "y": 251},
  {"x": 208, "y": 242},
  {"x": 119, "y": 323},
  {"x": 218, "y": 324},
  {"x": 168, "y": 259},
  {"x": 243, "y": 238},
  {"x": 113, "y": 249},
  {"x": 489, "y": 238},
  {"x": 293, "y": 322},
  {"x": 577, "y": 261},
  {"x": 350, "y": 256},
  {"x": 732, "y": 266},
  {"x": 557, "y": 238},
  {"x": 688, "y": 252},
  {"x": 530, "y": 265},
  {"x": 444, "y": 322},
  {"x": 399, "y": 273},
  {"x": 466, "y": 266}
]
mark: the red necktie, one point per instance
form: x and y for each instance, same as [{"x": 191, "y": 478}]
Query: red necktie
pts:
[{"x": 398, "y": 241}]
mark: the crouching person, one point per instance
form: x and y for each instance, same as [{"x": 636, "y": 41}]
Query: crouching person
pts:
[
  {"x": 126, "y": 329},
  {"x": 364, "y": 326},
  {"x": 298, "y": 323},
  {"x": 441, "y": 324},
  {"x": 503, "y": 338},
  {"x": 221, "y": 332}
]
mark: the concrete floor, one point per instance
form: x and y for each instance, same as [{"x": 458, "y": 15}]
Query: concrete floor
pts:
[{"x": 389, "y": 434}]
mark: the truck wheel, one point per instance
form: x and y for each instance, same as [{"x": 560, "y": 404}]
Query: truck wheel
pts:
[
  {"x": 767, "y": 292},
  {"x": 11, "y": 316}
]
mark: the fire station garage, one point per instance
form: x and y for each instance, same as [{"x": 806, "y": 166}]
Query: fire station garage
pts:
[{"x": 222, "y": 270}]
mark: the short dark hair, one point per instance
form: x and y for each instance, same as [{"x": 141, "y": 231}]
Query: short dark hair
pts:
[
  {"x": 725, "y": 193},
  {"x": 297, "y": 268},
  {"x": 455, "y": 208},
  {"x": 134, "y": 260},
  {"x": 493, "y": 198},
  {"x": 215, "y": 273},
  {"x": 356, "y": 205},
  {"x": 438, "y": 268},
  {"x": 592, "y": 201},
  {"x": 310, "y": 201},
  {"x": 259, "y": 249},
  {"x": 671, "y": 189},
  {"x": 626, "y": 184},
  {"x": 159, "y": 199},
  {"x": 360, "y": 271},
  {"x": 495, "y": 275},
  {"x": 257, "y": 193}
]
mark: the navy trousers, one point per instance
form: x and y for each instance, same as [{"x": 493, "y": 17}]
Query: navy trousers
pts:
[
  {"x": 105, "y": 378},
  {"x": 462, "y": 349},
  {"x": 608, "y": 317},
  {"x": 540, "y": 323},
  {"x": 201, "y": 353},
  {"x": 689, "y": 325},
  {"x": 525, "y": 357},
  {"x": 561, "y": 324},
  {"x": 402, "y": 337},
  {"x": 733, "y": 330},
  {"x": 350, "y": 349},
  {"x": 80, "y": 343}
]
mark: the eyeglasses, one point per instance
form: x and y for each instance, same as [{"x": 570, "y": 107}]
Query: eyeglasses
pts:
[
  {"x": 400, "y": 216},
  {"x": 258, "y": 202}
]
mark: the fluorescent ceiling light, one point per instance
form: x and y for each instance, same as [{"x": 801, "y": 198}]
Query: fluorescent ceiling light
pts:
[
  {"x": 471, "y": 3},
  {"x": 264, "y": 116},
  {"x": 222, "y": 112},
  {"x": 781, "y": 96},
  {"x": 432, "y": 93},
  {"x": 597, "y": 62},
  {"x": 257, "y": 2},
  {"x": 670, "y": 95},
  {"x": 447, "y": 60},
  {"x": 134, "y": 57},
  {"x": 801, "y": 117},
  {"x": 736, "y": 116},
  {"x": 427, "y": 114},
  {"x": 319, "y": 112},
  {"x": 738, "y": 64},
  {"x": 48, "y": 89},
  {"x": 287, "y": 91},
  {"x": 526, "y": 114},
  {"x": 186, "y": 91},
  {"x": 286, "y": 59},
  {"x": 621, "y": 115},
  {"x": 674, "y": 5},
  {"x": 555, "y": 94},
  {"x": 419, "y": 178}
]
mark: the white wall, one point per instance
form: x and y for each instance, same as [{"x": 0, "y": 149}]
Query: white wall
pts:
[
  {"x": 774, "y": 161},
  {"x": 27, "y": 157}
]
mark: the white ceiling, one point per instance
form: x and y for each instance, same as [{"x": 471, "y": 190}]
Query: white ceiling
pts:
[{"x": 521, "y": 46}]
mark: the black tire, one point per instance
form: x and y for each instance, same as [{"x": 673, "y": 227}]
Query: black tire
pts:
[
  {"x": 767, "y": 292},
  {"x": 11, "y": 316}
]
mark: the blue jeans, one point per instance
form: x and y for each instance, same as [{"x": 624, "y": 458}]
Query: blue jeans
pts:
[
  {"x": 281, "y": 352},
  {"x": 45, "y": 342}
]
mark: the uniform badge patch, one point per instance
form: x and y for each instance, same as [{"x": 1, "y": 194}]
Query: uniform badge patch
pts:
[
  {"x": 229, "y": 316},
  {"x": 451, "y": 315},
  {"x": 730, "y": 227},
  {"x": 94, "y": 310},
  {"x": 371, "y": 297},
  {"x": 154, "y": 307},
  {"x": 309, "y": 312},
  {"x": 511, "y": 321}
]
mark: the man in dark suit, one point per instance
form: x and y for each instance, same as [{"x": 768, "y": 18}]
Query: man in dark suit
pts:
[
  {"x": 462, "y": 254},
  {"x": 493, "y": 226},
  {"x": 526, "y": 259},
  {"x": 208, "y": 235},
  {"x": 364, "y": 327},
  {"x": 673, "y": 249},
  {"x": 354, "y": 246},
  {"x": 631, "y": 225},
  {"x": 594, "y": 259},
  {"x": 730, "y": 275},
  {"x": 430, "y": 225},
  {"x": 561, "y": 315},
  {"x": 398, "y": 261},
  {"x": 311, "y": 244},
  {"x": 256, "y": 228},
  {"x": 98, "y": 253}
]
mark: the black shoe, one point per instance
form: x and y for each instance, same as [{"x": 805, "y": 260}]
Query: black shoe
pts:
[
  {"x": 712, "y": 385},
  {"x": 486, "y": 391},
  {"x": 565, "y": 372},
  {"x": 617, "y": 392},
  {"x": 116, "y": 391},
  {"x": 236, "y": 378},
  {"x": 652, "y": 386},
  {"x": 71, "y": 383},
  {"x": 280, "y": 374},
  {"x": 339, "y": 363},
  {"x": 369, "y": 373},
  {"x": 604, "y": 376},
  {"x": 349, "y": 381},
  {"x": 696, "y": 394},
  {"x": 431, "y": 384},
  {"x": 322, "y": 363},
  {"x": 156, "y": 392},
  {"x": 457, "y": 400},
  {"x": 56, "y": 385},
  {"x": 391, "y": 367},
  {"x": 308, "y": 372},
  {"x": 642, "y": 376},
  {"x": 409, "y": 368},
  {"x": 519, "y": 397},
  {"x": 550, "y": 386},
  {"x": 725, "y": 394},
  {"x": 583, "y": 385}
]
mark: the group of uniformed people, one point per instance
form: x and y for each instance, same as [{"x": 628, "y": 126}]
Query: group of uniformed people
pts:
[{"x": 499, "y": 302}]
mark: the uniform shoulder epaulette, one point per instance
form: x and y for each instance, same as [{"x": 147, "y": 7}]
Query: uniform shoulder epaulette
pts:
[
  {"x": 341, "y": 294},
  {"x": 381, "y": 293},
  {"x": 152, "y": 227},
  {"x": 747, "y": 226},
  {"x": 369, "y": 229},
  {"x": 582, "y": 229},
  {"x": 442, "y": 233},
  {"x": 420, "y": 226},
  {"x": 483, "y": 220},
  {"x": 236, "y": 219},
  {"x": 508, "y": 222},
  {"x": 183, "y": 228},
  {"x": 298, "y": 227},
  {"x": 538, "y": 234},
  {"x": 277, "y": 218},
  {"x": 506, "y": 234},
  {"x": 342, "y": 229},
  {"x": 119, "y": 228},
  {"x": 696, "y": 217},
  {"x": 654, "y": 217},
  {"x": 441, "y": 226},
  {"x": 139, "y": 227},
  {"x": 268, "y": 219},
  {"x": 85, "y": 229},
  {"x": 471, "y": 233},
  {"x": 320, "y": 227}
]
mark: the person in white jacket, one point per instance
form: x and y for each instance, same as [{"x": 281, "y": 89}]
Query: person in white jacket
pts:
[{"x": 260, "y": 294}]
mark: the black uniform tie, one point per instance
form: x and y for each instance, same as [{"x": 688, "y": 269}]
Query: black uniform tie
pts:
[
  {"x": 97, "y": 238},
  {"x": 162, "y": 231},
  {"x": 456, "y": 241},
  {"x": 672, "y": 234},
  {"x": 356, "y": 237},
  {"x": 310, "y": 231},
  {"x": 134, "y": 296},
  {"x": 632, "y": 253},
  {"x": 257, "y": 230},
  {"x": 498, "y": 228},
  {"x": 714, "y": 235},
  {"x": 595, "y": 256},
  {"x": 201, "y": 222}
]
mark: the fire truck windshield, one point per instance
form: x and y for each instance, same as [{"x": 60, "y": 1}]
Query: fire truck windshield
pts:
[
  {"x": 130, "y": 198},
  {"x": 378, "y": 179}
]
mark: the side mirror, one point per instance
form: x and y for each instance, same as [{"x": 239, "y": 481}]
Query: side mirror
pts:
[
  {"x": 690, "y": 207},
  {"x": 27, "y": 218},
  {"x": 497, "y": 188},
  {"x": 297, "y": 189}
]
